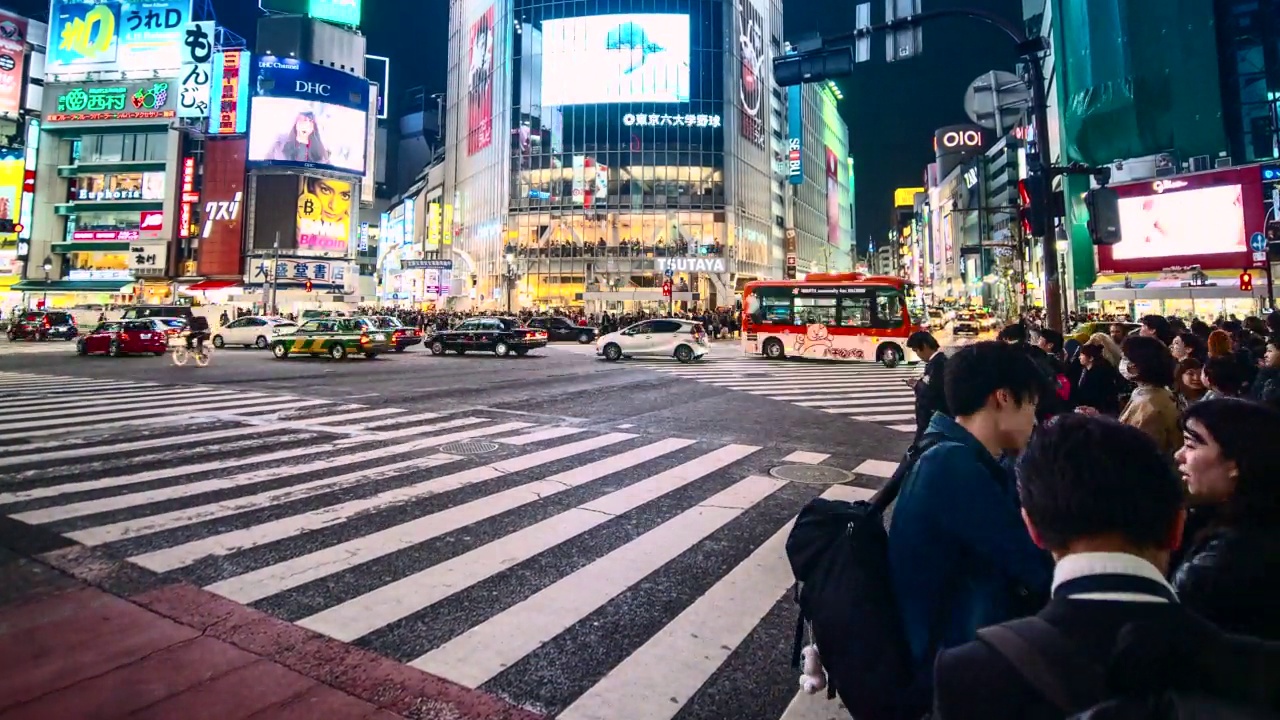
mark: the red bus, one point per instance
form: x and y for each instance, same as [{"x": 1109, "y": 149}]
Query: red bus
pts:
[{"x": 846, "y": 316}]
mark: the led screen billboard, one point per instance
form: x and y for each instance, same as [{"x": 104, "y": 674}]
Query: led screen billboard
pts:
[
  {"x": 480, "y": 83},
  {"x": 1203, "y": 221},
  {"x": 324, "y": 215},
  {"x": 615, "y": 59},
  {"x": 343, "y": 12},
  {"x": 306, "y": 115},
  {"x": 93, "y": 35},
  {"x": 13, "y": 59}
]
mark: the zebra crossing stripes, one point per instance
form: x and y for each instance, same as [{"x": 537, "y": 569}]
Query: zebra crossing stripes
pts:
[
  {"x": 580, "y": 572},
  {"x": 859, "y": 391}
]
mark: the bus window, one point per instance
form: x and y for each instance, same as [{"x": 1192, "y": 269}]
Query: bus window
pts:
[
  {"x": 855, "y": 312},
  {"x": 815, "y": 311},
  {"x": 888, "y": 308},
  {"x": 770, "y": 305}
]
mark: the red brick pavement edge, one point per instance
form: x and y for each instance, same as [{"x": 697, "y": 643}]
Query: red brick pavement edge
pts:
[{"x": 85, "y": 636}]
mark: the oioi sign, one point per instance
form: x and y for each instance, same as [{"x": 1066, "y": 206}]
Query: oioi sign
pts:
[{"x": 956, "y": 139}]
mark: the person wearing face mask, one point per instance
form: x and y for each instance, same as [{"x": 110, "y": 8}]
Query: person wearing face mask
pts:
[
  {"x": 1152, "y": 408},
  {"x": 1229, "y": 571}
]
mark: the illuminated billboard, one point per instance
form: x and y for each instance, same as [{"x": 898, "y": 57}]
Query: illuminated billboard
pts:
[
  {"x": 93, "y": 35},
  {"x": 124, "y": 100},
  {"x": 1198, "y": 221},
  {"x": 309, "y": 116},
  {"x": 324, "y": 215},
  {"x": 12, "y": 170},
  {"x": 229, "y": 106},
  {"x": 480, "y": 83},
  {"x": 13, "y": 60},
  {"x": 615, "y": 59},
  {"x": 343, "y": 12}
]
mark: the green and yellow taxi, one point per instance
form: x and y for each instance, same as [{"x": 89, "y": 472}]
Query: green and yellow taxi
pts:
[{"x": 336, "y": 337}]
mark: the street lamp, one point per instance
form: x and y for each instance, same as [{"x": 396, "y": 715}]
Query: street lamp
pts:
[
  {"x": 47, "y": 265},
  {"x": 510, "y": 277}
]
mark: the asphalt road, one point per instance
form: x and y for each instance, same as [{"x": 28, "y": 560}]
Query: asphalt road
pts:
[{"x": 584, "y": 539}]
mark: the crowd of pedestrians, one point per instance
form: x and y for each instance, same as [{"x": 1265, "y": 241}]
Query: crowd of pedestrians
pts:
[{"x": 1082, "y": 529}]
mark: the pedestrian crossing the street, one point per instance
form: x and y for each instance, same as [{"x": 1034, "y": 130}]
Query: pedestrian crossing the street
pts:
[
  {"x": 868, "y": 392},
  {"x": 585, "y": 572}
]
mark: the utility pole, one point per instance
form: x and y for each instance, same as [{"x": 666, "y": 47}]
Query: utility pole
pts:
[
  {"x": 835, "y": 56},
  {"x": 275, "y": 264}
]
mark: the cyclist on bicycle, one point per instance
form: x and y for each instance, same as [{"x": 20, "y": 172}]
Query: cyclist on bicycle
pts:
[{"x": 198, "y": 332}]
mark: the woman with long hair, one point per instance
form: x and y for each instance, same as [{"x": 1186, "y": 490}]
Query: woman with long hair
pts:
[
  {"x": 302, "y": 143},
  {"x": 1110, "y": 350},
  {"x": 1099, "y": 385},
  {"x": 1189, "y": 382},
  {"x": 1230, "y": 568}
]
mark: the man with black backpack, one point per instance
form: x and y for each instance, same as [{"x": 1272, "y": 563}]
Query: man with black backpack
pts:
[{"x": 1114, "y": 642}]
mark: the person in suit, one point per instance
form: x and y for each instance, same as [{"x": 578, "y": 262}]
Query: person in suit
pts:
[
  {"x": 1102, "y": 498},
  {"x": 931, "y": 396}
]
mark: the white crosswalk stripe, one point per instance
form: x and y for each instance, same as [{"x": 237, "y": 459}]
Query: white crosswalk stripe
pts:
[
  {"x": 25, "y": 347},
  {"x": 585, "y": 573},
  {"x": 860, "y": 391}
]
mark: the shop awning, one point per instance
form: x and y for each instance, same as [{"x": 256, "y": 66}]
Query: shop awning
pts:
[
  {"x": 211, "y": 285},
  {"x": 69, "y": 286},
  {"x": 103, "y": 247}
]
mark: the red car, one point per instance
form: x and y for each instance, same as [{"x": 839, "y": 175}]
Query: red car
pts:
[{"x": 126, "y": 337}]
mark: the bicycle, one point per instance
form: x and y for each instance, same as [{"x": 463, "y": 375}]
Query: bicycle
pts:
[{"x": 202, "y": 355}]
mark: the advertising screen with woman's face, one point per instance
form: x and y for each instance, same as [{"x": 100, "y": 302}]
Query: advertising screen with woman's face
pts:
[{"x": 293, "y": 131}]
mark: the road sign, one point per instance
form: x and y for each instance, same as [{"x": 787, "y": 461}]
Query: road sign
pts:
[
  {"x": 906, "y": 42},
  {"x": 997, "y": 100},
  {"x": 669, "y": 273},
  {"x": 1260, "y": 257},
  {"x": 1258, "y": 242}
]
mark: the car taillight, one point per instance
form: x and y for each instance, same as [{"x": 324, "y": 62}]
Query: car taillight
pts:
[
  {"x": 46, "y": 322},
  {"x": 125, "y": 336}
]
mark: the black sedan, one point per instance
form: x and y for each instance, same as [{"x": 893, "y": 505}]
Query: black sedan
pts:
[
  {"x": 560, "y": 328},
  {"x": 500, "y": 336},
  {"x": 399, "y": 336},
  {"x": 44, "y": 325}
]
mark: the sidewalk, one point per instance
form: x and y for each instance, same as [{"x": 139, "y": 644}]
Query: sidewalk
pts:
[{"x": 73, "y": 651}]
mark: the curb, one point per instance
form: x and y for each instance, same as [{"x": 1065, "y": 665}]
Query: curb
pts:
[{"x": 379, "y": 681}]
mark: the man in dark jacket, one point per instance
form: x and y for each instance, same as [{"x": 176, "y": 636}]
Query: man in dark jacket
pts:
[
  {"x": 1103, "y": 499},
  {"x": 931, "y": 396},
  {"x": 959, "y": 555}
]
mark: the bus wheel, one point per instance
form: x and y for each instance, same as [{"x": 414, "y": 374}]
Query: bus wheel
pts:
[
  {"x": 773, "y": 349},
  {"x": 890, "y": 356}
]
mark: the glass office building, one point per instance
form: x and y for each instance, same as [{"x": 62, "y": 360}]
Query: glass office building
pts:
[{"x": 595, "y": 147}]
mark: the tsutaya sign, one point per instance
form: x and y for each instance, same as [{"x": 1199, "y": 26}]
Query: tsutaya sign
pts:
[
  {"x": 687, "y": 264},
  {"x": 675, "y": 120}
]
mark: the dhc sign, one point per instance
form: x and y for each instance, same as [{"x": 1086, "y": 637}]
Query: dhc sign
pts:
[{"x": 685, "y": 264}]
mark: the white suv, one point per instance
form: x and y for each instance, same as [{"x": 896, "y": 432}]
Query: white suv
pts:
[{"x": 685, "y": 340}]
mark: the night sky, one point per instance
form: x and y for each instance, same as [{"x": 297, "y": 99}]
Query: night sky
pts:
[{"x": 891, "y": 137}]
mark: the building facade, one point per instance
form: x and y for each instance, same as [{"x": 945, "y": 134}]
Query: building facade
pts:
[
  {"x": 22, "y": 61},
  {"x": 822, "y": 185},
  {"x": 595, "y": 150}
]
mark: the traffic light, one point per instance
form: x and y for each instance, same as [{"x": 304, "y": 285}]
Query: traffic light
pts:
[
  {"x": 1031, "y": 199},
  {"x": 812, "y": 66},
  {"x": 9, "y": 226},
  {"x": 308, "y": 286},
  {"x": 1246, "y": 281},
  {"x": 1103, "y": 205}
]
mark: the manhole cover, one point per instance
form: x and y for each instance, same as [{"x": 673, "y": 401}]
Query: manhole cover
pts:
[
  {"x": 469, "y": 447},
  {"x": 811, "y": 474}
]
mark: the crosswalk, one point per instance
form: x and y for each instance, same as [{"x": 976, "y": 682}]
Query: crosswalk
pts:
[
  {"x": 585, "y": 572},
  {"x": 868, "y": 392}
]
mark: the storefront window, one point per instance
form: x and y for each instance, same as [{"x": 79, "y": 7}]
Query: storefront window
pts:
[
  {"x": 105, "y": 220},
  {"x": 135, "y": 147},
  {"x": 118, "y": 186}
]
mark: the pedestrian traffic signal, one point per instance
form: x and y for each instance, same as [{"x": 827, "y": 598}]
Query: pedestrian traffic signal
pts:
[
  {"x": 1031, "y": 201},
  {"x": 308, "y": 286},
  {"x": 1103, "y": 205},
  {"x": 1246, "y": 281}
]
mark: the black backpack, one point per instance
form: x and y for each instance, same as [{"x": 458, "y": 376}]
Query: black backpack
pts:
[
  {"x": 839, "y": 555},
  {"x": 1050, "y": 664}
]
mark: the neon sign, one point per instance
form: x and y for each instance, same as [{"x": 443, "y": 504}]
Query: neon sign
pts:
[
  {"x": 189, "y": 198},
  {"x": 113, "y": 103}
]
